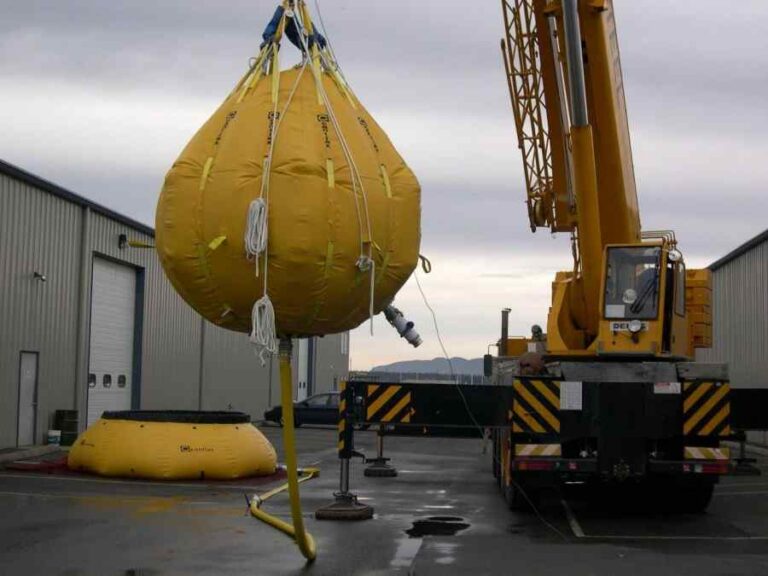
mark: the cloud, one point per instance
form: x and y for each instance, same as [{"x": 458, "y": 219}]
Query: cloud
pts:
[{"x": 101, "y": 97}]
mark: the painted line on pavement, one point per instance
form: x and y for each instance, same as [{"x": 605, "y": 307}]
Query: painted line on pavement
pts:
[
  {"x": 579, "y": 532},
  {"x": 703, "y": 538},
  {"x": 110, "y": 497},
  {"x": 745, "y": 493},
  {"x": 572, "y": 522},
  {"x": 156, "y": 484}
]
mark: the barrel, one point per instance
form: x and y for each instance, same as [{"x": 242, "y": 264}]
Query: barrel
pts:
[{"x": 67, "y": 422}]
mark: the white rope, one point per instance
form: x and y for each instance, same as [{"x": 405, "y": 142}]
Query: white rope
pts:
[
  {"x": 263, "y": 333},
  {"x": 356, "y": 179},
  {"x": 371, "y": 299},
  {"x": 365, "y": 261},
  {"x": 263, "y": 330},
  {"x": 437, "y": 328},
  {"x": 256, "y": 231},
  {"x": 263, "y": 325},
  {"x": 331, "y": 51}
]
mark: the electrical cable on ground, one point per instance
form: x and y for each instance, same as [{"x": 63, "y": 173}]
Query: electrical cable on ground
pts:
[{"x": 472, "y": 416}]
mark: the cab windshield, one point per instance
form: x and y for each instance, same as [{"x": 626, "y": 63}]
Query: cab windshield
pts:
[{"x": 632, "y": 283}]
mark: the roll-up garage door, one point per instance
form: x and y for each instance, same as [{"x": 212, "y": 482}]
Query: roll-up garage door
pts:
[{"x": 113, "y": 303}]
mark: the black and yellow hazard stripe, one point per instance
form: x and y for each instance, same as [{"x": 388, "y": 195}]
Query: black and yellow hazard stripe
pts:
[
  {"x": 388, "y": 403},
  {"x": 706, "y": 409},
  {"x": 536, "y": 406},
  {"x": 344, "y": 447}
]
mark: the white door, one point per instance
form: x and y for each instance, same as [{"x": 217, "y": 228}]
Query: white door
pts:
[
  {"x": 27, "y": 399},
  {"x": 301, "y": 391},
  {"x": 110, "y": 372}
]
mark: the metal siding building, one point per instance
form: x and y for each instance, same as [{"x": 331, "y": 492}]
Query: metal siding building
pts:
[
  {"x": 740, "y": 316},
  {"x": 53, "y": 243}
]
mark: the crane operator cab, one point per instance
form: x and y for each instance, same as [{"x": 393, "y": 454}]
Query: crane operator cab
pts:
[{"x": 643, "y": 309}]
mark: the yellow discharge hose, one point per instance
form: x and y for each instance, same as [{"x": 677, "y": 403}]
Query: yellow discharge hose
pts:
[{"x": 296, "y": 531}]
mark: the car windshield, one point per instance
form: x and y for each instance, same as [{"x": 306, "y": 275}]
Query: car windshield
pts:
[
  {"x": 632, "y": 283},
  {"x": 318, "y": 401}
]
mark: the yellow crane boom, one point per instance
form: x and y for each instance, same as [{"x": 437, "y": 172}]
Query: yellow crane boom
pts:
[{"x": 563, "y": 68}]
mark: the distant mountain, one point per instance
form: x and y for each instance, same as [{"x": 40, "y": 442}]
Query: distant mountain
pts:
[{"x": 434, "y": 366}]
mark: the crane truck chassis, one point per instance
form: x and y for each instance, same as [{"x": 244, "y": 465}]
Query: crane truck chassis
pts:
[{"x": 589, "y": 423}]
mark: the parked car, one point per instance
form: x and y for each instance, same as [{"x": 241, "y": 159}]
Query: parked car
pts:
[{"x": 317, "y": 409}]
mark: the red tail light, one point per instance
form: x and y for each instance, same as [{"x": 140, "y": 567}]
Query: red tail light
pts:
[{"x": 534, "y": 465}]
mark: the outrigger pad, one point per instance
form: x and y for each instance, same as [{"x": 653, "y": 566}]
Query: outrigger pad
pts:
[
  {"x": 380, "y": 470},
  {"x": 345, "y": 507}
]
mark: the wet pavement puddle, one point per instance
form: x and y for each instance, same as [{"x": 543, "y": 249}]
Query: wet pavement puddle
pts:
[
  {"x": 407, "y": 548},
  {"x": 437, "y": 526}
]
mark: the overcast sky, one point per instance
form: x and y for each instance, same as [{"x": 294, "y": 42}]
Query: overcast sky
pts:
[{"x": 100, "y": 97}]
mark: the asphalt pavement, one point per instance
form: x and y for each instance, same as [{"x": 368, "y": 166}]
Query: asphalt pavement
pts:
[{"x": 442, "y": 515}]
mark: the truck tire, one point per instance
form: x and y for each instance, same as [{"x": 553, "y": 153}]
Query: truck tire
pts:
[
  {"x": 693, "y": 497},
  {"x": 516, "y": 500}
]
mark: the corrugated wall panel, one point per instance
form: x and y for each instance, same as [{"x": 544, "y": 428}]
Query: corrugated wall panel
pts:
[
  {"x": 740, "y": 318},
  {"x": 740, "y": 321},
  {"x": 43, "y": 230},
  {"x": 171, "y": 331},
  {"x": 332, "y": 363},
  {"x": 38, "y": 233},
  {"x": 233, "y": 378}
]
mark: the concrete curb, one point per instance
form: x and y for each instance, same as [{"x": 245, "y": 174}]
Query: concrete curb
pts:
[
  {"x": 751, "y": 448},
  {"x": 30, "y": 452},
  {"x": 757, "y": 449}
]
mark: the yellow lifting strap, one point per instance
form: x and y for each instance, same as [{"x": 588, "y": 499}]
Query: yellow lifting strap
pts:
[
  {"x": 253, "y": 77},
  {"x": 315, "y": 52},
  {"x": 328, "y": 258},
  {"x": 216, "y": 242},
  {"x": 276, "y": 56},
  {"x": 385, "y": 180},
  {"x": 343, "y": 87},
  {"x": 206, "y": 172},
  {"x": 329, "y": 167},
  {"x": 275, "y": 75},
  {"x": 382, "y": 269}
]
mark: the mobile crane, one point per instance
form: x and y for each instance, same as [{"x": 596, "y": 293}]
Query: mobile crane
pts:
[{"x": 611, "y": 391}]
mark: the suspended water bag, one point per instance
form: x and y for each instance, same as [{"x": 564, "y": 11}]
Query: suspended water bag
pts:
[{"x": 291, "y": 189}]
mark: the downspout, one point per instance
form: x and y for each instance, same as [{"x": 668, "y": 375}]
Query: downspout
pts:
[{"x": 83, "y": 315}]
